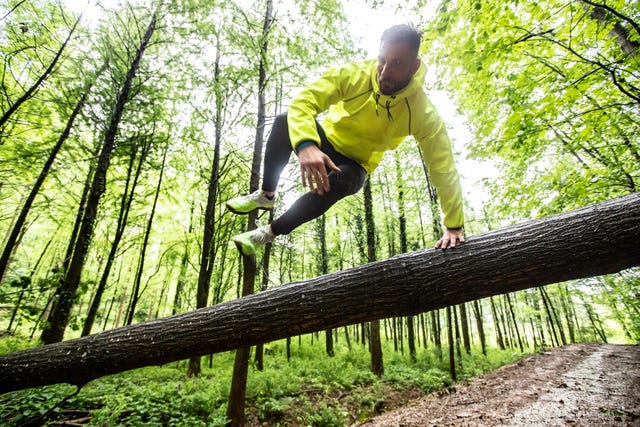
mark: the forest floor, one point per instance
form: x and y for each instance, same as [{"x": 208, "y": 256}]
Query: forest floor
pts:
[{"x": 576, "y": 385}]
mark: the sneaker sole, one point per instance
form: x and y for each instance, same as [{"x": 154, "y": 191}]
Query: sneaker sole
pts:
[
  {"x": 237, "y": 212},
  {"x": 239, "y": 247}
]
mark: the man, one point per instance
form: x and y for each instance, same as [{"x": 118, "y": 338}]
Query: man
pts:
[{"x": 372, "y": 107}]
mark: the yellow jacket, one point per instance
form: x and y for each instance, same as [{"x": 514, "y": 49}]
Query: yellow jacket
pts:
[{"x": 362, "y": 124}]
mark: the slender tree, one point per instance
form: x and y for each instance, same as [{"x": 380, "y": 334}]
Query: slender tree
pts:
[
  {"x": 19, "y": 223},
  {"x": 235, "y": 409},
  {"x": 131, "y": 184},
  {"x": 477, "y": 311},
  {"x": 66, "y": 292},
  {"x": 324, "y": 269},
  {"x": 135, "y": 295},
  {"x": 375, "y": 344},
  {"x": 464, "y": 324},
  {"x": 207, "y": 256}
]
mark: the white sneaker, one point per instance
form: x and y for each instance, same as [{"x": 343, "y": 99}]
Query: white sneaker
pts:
[
  {"x": 250, "y": 202},
  {"x": 249, "y": 242}
]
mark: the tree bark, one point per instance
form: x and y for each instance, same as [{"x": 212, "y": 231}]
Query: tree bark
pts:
[
  {"x": 515, "y": 322},
  {"x": 464, "y": 324},
  {"x": 324, "y": 269},
  {"x": 522, "y": 256}
]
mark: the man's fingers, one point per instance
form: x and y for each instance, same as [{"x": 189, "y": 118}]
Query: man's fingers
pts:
[
  {"x": 324, "y": 180},
  {"x": 319, "y": 184},
  {"x": 449, "y": 240},
  {"x": 314, "y": 165},
  {"x": 316, "y": 179},
  {"x": 312, "y": 179},
  {"x": 332, "y": 165}
]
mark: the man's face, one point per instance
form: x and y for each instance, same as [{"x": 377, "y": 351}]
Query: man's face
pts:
[{"x": 396, "y": 66}]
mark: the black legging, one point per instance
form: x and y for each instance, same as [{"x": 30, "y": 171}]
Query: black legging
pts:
[{"x": 310, "y": 205}]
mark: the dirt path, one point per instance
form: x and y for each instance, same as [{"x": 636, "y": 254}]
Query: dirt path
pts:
[{"x": 578, "y": 385}]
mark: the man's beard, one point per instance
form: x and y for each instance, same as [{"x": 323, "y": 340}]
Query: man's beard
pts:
[{"x": 390, "y": 87}]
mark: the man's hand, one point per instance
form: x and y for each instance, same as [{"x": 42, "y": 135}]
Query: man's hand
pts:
[
  {"x": 313, "y": 165},
  {"x": 450, "y": 238}
]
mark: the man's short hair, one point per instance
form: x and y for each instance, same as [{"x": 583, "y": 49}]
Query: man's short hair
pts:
[{"x": 403, "y": 33}]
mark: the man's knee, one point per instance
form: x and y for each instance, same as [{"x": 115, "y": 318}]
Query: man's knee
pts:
[
  {"x": 349, "y": 181},
  {"x": 280, "y": 119}
]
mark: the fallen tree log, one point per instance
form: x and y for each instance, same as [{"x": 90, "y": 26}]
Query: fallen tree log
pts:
[{"x": 599, "y": 239}]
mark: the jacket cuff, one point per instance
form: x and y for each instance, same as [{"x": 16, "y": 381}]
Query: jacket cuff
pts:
[{"x": 304, "y": 144}]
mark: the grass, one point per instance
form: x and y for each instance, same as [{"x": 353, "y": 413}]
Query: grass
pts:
[{"x": 311, "y": 389}]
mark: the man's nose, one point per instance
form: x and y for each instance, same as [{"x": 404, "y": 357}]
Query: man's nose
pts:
[{"x": 383, "y": 70}]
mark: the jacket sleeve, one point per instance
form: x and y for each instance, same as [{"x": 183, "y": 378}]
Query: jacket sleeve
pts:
[
  {"x": 315, "y": 98},
  {"x": 436, "y": 151}
]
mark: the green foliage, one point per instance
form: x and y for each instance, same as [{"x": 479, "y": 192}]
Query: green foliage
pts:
[
  {"x": 25, "y": 405},
  {"x": 311, "y": 388},
  {"x": 542, "y": 93},
  {"x": 9, "y": 344}
]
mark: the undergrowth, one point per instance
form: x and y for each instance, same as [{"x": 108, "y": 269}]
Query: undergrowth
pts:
[{"x": 310, "y": 389}]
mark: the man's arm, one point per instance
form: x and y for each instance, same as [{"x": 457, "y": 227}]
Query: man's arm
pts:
[
  {"x": 436, "y": 149},
  {"x": 315, "y": 98}
]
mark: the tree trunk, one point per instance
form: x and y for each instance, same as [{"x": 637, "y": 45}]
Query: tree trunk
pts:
[
  {"x": 259, "y": 358},
  {"x": 20, "y": 221},
  {"x": 375, "y": 344},
  {"x": 135, "y": 295},
  {"x": 184, "y": 263},
  {"x": 324, "y": 269},
  {"x": 603, "y": 15},
  {"x": 66, "y": 293},
  {"x": 526, "y": 255},
  {"x": 125, "y": 207},
  {"x": 25, "y": 282},
  {"x": 550, "y": 320},
  {"x": 496, "y": 322},
  {"x": 567, "y": 308},
  {"x": 477, "y": 310},
  {"x": 452, "y": 357},
  {"x": 207, "y": 256},
  {"x": 435, "y": 331},
  {"x": 235, "y": 409},
  {"x": 464, "y": 324},
  {"x": 402, "y": 223},
  {"x": 515, "y": 322}
]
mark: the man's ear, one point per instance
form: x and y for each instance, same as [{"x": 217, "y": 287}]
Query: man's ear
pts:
[{"x": 416, "y": 65}]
